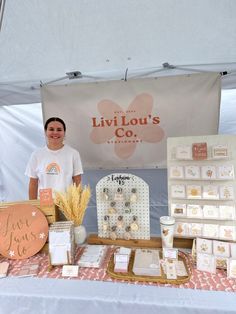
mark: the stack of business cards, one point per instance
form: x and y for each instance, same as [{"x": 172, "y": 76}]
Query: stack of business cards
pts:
[
  {"x": 61, "y": 243},
  {"x": 93, "y": 256},
  {"x": 147, "y": 262},
  {"x": 121, "y": 260}
]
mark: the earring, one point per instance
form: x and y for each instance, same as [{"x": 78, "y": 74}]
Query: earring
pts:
[
  {"x": 119, "y": 195},
  {"x": 134, "y": 225},
  {"x": 133, "y": 196},
  {"x": 127, "y": 208},
  {"x": 120, "y": 222},
  {"x": 127, "y": 234},
  {"x": 112, "y": 209},
  {"x": 113, "y": 234},
  {"x": 105, "y": 225},
  {"x": 105, "y": 194}
]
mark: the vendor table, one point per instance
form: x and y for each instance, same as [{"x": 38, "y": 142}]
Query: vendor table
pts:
[{"x": 93, "y": 291}]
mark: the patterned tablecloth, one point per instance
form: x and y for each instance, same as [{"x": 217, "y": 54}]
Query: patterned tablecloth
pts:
[{"x": 199, "y": 280}]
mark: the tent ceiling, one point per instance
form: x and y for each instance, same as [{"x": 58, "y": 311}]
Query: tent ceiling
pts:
[{"x": 41, "y": 40}]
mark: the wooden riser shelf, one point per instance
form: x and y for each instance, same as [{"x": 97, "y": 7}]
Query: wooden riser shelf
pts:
[{"x": 154, "y": 242}]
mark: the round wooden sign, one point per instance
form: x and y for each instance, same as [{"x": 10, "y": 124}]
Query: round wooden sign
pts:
[{"x": 23, "y": 231}]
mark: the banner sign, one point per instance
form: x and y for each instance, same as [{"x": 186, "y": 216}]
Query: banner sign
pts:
[{"x": 118, "y": 124}]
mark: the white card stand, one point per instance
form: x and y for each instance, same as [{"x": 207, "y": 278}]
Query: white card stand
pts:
[
  {"x": 210, "y": 198},
  {"x": 139, "y": 208}
]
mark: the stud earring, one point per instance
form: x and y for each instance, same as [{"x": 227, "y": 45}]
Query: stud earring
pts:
[
  {"x": 112, "y": 209},
  {"x": 134, "y": 225},
  {"x": 120, "y": 222},
  {"x": 105, "y": 194},
  {"x": 105, "y": 226},
  {"x": 127, "y": 234},
  {"x": 113, "y": 234},
  {"x": 133, "y": 196},
  {"x": 119, "y": 195},
  {"x": 127, "y": 208}
]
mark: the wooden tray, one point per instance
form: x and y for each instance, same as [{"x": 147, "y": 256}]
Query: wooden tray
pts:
[{"x": 130, "y": 276}]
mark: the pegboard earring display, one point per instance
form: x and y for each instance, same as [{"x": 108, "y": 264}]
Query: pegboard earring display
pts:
[{"x": 124, "y": 198}]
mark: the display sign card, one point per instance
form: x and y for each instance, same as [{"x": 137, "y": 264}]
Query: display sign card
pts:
[
  {"x": 206, "y": 262},
  {"x": 23, "y": 231},
  {"x": 26, "y": 270},
  {"x": 70, "y": 271},
  {"x": 45, "y": 197},
  {"x": 199, "y": 151}
]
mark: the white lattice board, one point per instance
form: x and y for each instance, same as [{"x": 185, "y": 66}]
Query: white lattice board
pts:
[{"x": 140, "y": 208}]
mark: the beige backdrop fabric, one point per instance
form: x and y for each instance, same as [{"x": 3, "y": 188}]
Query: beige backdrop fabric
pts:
[{"x": 116, "y": 124}]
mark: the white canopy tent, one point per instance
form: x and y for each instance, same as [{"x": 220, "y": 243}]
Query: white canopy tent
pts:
[{"x": 41, "y": 41}]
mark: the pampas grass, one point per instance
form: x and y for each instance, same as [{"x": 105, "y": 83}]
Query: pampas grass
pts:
[{"x": 73, "y": 202}]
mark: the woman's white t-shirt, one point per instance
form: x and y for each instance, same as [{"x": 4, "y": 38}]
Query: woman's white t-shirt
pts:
[{"x": 54, "y": 168}]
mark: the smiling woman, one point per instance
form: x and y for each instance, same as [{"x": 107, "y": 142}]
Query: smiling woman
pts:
[{"x": 56, "y": 165}]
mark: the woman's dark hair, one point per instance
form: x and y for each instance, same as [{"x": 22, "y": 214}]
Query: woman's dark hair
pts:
[{"x": 54, "y": 119}]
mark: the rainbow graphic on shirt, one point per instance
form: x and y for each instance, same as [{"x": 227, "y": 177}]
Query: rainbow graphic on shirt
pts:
[{"x": 53, "y": 169}]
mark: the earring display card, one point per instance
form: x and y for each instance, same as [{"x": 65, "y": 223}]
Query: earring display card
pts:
[
  {"x": 4, "y": 269},
  {"x": 208, "y": 186}
]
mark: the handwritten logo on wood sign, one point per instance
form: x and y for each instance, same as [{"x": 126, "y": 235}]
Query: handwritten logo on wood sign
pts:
[{"x": 23, "y": 231}]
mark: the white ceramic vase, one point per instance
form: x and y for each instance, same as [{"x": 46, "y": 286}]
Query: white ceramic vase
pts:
[{"x": 80, "y": 234}]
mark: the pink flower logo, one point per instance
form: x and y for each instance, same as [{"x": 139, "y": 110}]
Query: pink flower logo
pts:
[{"x": 125, "y": 129}]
